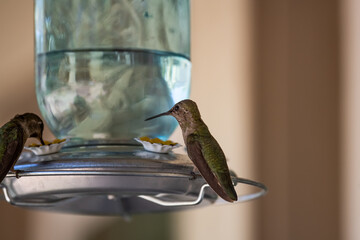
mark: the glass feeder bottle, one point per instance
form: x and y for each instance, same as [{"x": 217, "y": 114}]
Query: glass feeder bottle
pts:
[{"x": 103, "y": 66}]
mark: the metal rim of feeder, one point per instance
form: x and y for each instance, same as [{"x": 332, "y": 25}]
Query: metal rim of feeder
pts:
[
  {"x": 262, "y": 190},
  {"x": 113, "y": 180}
]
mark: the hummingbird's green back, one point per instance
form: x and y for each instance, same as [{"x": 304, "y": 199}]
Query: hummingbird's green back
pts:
[
  {"x": 11, "y": 145},
  {"x": 203, "y": 148}
]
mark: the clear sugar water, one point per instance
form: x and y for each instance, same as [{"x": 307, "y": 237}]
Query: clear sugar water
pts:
[{"x": 105, "y": 94}]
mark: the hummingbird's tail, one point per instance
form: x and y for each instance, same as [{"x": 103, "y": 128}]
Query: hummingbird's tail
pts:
[
  {"x": 220, "y": 183},
  {"x": 227, "y": 184}
]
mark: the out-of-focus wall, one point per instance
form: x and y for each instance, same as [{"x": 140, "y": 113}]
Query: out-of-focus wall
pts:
[
  {"x": 350, "y": 177},
  {"x": 298, "y": 118},
  {"x": 17, "y": 58}
]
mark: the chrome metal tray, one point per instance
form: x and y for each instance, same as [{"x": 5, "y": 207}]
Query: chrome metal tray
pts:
[{"x": 111, "y": 180}]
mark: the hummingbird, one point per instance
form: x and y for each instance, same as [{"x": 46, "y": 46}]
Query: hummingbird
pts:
[
  {"x": 202, "y": 148},
  {"x": 13, "y": 136}
]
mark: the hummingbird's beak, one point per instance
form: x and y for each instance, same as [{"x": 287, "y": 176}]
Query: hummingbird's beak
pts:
[{"x": 159, "y": 115}]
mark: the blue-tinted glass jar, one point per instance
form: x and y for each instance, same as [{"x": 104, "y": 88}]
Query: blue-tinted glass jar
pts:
[{"x": 103, "y": 66}]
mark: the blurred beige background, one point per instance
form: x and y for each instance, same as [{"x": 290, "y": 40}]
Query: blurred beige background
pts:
[{"x": 277, "y": 84}]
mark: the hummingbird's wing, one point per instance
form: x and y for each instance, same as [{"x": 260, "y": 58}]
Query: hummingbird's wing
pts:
[
  {"x": 11, "y": 145},
  {"x": 195, "y": 151}
]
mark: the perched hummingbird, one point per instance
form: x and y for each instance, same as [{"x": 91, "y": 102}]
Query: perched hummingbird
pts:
[
  {"x": 202, "y": 148},
  {"x": 13, "y": 136}
]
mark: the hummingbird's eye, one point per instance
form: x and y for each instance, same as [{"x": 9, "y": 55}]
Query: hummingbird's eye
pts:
[{"x": 176, "y": 107}]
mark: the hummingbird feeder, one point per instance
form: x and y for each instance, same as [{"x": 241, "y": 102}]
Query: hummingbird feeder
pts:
[{"x": 102, "y": 67}]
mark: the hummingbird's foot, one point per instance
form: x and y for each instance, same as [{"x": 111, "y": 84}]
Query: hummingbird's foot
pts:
[
  {"x": 193, "y": 176},
  {"x": 17, "y": 172}
]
